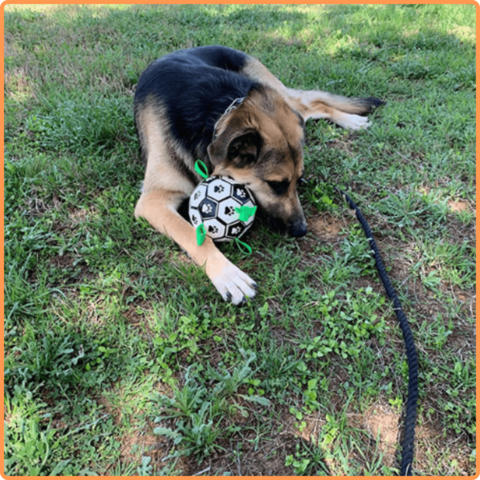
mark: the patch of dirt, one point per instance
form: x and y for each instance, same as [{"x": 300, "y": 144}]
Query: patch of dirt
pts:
[
  {"x": 253, "y": 453},
  {"x": 383, "y": 423},
  {"x": 18, "y": 84},
  {"x": 79, "y": 215},
  {"x": 62, "y": 261},
  {"x": 431, "y": 446},
  {"x": 312, "y": 430},
  {"x": 140, "y": 440},
  {"x": 36, "y": 206},
  {"x": 58, "y": 421},
  {"x": 156, "y": 256},
  {"x": 7, "y": 417},
  {"x": 326, "y": 227},
  {"x": 322, "y": 228},
  {"x": 136, "y": 314},
  {"x": 135, "y": 445},
  {"x": 346, "y": 145},
  {"x": 155, "y": 446},
  {"x": 462, "y": 340},
  {"x": 247, "y": 455},
  {"x": 114, "y": 412},
  {"x": 384, "y": 426},
  {"x": 291, "y": 42},
  {"x": 458, "y": 206}
]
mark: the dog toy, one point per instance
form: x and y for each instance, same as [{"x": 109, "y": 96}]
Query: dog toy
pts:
[{"x": 220, "y": 207}]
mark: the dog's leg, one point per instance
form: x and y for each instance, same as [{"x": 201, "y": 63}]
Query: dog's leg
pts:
[
  {"x": 159, "y": 208},
  {"x": 345, "y": 112},
  {"x": 164, "y": 188},
  {"x": 340, "y": 110}
]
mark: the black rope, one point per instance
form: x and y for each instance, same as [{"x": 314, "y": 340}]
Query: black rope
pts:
[{"x": 411, "y": 414}]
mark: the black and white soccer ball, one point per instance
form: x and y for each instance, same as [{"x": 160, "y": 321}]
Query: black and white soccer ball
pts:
[{"x": 213, "y": 203}]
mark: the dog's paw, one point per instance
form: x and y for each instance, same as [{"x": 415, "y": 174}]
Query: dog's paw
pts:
[
  {"x": 352, "y": 122},
  {"x": 232, "y": 284}
]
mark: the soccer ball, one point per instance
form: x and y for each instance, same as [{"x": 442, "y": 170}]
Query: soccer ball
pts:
[{"x": 213, "y": 203}]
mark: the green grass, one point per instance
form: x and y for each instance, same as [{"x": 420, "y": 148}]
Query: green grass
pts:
[{"x": 121, "y": 358}]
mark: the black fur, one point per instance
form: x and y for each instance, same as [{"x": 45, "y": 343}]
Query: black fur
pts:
[
  {"x": 196, "y": 86},
  {"x": 370, "y": 104}
]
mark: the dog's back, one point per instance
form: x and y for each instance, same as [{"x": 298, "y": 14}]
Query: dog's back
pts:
[{"x": 195, "y": 86}]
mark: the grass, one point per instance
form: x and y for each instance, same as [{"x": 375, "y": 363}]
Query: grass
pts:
[{"x": 121, "y": 358}]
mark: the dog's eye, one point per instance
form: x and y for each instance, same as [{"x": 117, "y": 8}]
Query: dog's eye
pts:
[{"x": 279, "y": 187}]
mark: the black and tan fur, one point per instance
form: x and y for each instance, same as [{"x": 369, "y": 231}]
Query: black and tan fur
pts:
[{"x": 181, "y": 99}]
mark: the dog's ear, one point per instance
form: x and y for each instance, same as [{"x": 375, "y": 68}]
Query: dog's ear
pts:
[{"x": 240, "y": 148}]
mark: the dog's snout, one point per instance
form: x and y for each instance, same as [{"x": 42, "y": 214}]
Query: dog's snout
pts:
[{"x": 298, "y": 228}]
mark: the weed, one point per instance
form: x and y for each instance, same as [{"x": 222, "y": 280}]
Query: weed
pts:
[
  {"x": 345, "y": 330},
  {"x": 198, "y": 409}
]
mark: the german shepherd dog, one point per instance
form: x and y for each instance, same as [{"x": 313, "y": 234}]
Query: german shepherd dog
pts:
[{"x": 225, "y": 108}]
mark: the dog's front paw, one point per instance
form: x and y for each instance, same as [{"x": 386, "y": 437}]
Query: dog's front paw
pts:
[{"x": 232, "y": 284}]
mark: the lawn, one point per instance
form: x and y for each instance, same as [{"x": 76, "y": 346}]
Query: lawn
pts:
[{"x": 120, "y": 356}]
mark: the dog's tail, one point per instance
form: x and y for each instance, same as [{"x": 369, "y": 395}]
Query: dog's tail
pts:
[
  {"x": 315, "y": 98},
  {"x": 357, "y": 105}
]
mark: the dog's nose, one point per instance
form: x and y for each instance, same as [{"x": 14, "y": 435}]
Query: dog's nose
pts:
[{"x": 298, "y": 228}]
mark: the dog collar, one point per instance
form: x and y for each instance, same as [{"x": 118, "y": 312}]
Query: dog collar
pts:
[{"x": 235, "y": 104}]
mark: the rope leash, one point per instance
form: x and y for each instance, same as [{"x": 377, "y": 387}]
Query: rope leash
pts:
[{"x": 411, "y": 413}]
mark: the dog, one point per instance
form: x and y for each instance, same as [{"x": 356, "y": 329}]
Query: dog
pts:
[{"x": 225, "y": 108}]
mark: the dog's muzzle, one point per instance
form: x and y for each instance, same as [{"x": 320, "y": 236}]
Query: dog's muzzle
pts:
[{"x": 298, "y": 228}]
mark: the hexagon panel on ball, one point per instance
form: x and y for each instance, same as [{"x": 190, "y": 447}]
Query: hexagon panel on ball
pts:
[
  {"x": 226, "y": 210},
  {"x": 219, "y": 189}
]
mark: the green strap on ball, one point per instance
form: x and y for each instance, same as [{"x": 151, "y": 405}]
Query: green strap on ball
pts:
[
  {"x": 244, "y": 247},
  {"x": 201, "y": 234},
  {"x": 245, "y": 212},
  {"x": 201, "y": 169}
]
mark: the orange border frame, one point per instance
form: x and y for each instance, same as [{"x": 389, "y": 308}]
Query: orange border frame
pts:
[{"x": 213, "y": 2}]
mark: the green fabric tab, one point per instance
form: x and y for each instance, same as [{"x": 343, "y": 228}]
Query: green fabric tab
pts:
[
  {"x": 201, "y": 169},
  {"x": 201, "y": 234},
  {"x": 245, "y": 212}
]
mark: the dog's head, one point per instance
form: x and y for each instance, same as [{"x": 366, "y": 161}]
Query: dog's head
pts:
[{"x": 260, "y": 144}]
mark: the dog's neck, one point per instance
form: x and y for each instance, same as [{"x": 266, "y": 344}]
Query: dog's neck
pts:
[{"x": 235, "y": 104}]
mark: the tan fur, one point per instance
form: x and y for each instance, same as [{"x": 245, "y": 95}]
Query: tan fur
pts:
[
  {"x": 161, "y": 173},
  {"x": 258, "y": 72}
]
